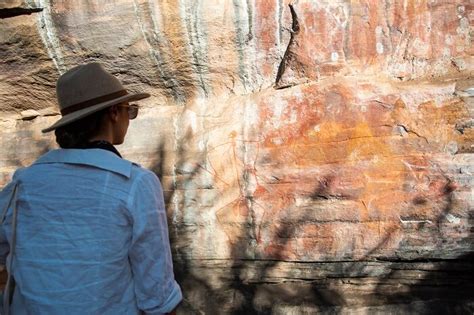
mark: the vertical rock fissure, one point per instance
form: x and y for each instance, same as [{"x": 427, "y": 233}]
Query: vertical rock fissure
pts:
[{"x": 295, "y": 28}]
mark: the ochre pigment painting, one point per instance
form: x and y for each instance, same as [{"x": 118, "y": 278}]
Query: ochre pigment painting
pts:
[{"x": 316, "y": 156}]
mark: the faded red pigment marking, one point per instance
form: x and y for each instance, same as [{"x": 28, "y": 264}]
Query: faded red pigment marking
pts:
[
  {"x": 439, "y": 22},
  {"x": 380, "y": 197},
  {"x": 433, "y": 122},
  {"x": 265, "y": 25},
  {"x": 313, "y": 38},
  {"x": 238, "y": 209},
  {"x": 266, "y": 32},
  {"x": 307, "y": 113},
  {"x": 379, "y": 193},
  {"x": 362, "y": 31}
]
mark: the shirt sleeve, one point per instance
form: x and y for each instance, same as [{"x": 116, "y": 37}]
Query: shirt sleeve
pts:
[
  {"x": 6, "y": 195},
  {"x": 156, "y": 290}
]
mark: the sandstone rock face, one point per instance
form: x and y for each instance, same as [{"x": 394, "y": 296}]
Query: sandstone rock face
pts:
[{"x": 316, "y": 156}]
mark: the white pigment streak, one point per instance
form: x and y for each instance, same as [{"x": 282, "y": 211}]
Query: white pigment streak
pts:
[
  {"x": 415, "y": 221},
  {"x": 452, "y": 219},
  {"x": 173, "y": 173},
  {"x": 48, "y": 34}
]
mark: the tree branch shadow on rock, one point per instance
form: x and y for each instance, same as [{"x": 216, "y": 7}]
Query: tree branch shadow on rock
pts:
[{"x": 447, "y": 286}]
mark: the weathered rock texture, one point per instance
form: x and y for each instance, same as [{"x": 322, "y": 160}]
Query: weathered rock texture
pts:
[{"x": 316, "y": 155}]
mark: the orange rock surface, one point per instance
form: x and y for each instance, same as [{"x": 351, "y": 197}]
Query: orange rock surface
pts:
[{"x": 315, "y": 155}]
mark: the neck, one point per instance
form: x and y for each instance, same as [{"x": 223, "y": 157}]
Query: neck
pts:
[
  {"x": 98, "y": 138},
  {"x": 104, "y": 135}
]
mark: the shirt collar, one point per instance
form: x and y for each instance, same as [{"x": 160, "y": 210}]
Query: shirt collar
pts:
[
  {"x": 93, "y": 157},
  {"x": 104, "y": 145}
]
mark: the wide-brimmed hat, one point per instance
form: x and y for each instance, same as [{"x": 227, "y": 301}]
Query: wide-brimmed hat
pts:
[{"x": 86, "y": 89}]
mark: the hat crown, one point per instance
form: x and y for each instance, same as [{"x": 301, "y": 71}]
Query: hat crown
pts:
[
  {"x": 86, "y": 89},
  {"x": 85, "y": 83}
]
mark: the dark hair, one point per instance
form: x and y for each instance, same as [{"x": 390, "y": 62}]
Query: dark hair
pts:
[{"x": 77, "y": 134}]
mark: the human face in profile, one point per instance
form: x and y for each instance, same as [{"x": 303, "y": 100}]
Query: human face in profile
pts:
[{"x": 125, "y": 113}]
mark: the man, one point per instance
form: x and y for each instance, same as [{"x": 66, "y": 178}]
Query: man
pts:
[{"x": 85, "y": 230}]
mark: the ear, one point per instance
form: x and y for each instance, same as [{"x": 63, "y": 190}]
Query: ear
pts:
[{"x": 113, "y": 113}]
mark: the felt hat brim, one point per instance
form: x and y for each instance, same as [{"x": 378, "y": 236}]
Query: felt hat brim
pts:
[{"x": 77, "y": 115}]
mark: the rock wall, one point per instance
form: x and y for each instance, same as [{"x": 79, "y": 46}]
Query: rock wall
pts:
[{"x": 316, "y": 156}]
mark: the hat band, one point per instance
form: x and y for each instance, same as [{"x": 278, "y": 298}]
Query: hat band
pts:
[{"x": 92, "y": 102}]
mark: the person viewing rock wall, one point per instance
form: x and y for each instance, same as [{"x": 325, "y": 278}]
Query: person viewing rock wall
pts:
[{"x": 315, "y": 156}]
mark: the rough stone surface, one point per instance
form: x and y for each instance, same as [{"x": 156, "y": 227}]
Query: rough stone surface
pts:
[{"x": 316, "y": 156}]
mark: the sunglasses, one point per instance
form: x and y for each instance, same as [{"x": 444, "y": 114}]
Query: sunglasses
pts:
[{"x": 132, "y": 110}]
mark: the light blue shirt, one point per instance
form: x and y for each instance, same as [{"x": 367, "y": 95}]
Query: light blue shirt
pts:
[{"x": 92, "y": 237}]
